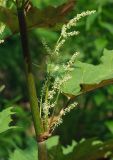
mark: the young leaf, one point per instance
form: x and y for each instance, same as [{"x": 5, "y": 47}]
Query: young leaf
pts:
[
  {"x": 5, "y": 119},
  {"x": 87, "y": 77}
]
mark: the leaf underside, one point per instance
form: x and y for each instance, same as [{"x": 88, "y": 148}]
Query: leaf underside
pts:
[{"x": 48, "y": 17}]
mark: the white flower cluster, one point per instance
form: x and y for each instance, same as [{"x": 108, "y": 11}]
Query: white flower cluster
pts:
[
  {"x": 46, "y": 107},
  {"x": 2, "y": 28},
  {"x": 51, "y": 100},
  {"x": 57, "y": 85},
  {"x": 66, "y": 34},
  {"x": 1, "y": 41},
  {"x": 73, "y": 23},
  {"x": 58, "y": 46},
  {"x": 51, "y": 92},
  {"x": 59, "y": 121},
  {"x": 46, "y": 46},
  {"x": 69, "y": 108},
  {"x": 69, "y": 65},
  {"x": 65, "y": 79},
  {"x": 54, "y": 89},
  {"x": 63, "y": 113},
  {"x": 56, "y": 68}
]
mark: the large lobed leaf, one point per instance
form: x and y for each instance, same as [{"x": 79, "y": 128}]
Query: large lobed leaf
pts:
[
  {"x": 91, "y": 149},
  {"x": 35, "y": 17},
  {"x": 5, "y": 119},
  {"x": 87, "y": 77},
  {"x": 27, "y": 154},
  {"x": 31, "y": 152}
]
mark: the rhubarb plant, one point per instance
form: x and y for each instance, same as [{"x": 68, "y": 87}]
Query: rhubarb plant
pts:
[{"x": 71, "y": 79}]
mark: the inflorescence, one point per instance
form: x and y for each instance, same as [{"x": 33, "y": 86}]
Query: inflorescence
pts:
[{"x": 50, "y": 93}]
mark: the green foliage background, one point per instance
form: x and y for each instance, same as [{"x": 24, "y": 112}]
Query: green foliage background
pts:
[{"x": 94, "y": 115}]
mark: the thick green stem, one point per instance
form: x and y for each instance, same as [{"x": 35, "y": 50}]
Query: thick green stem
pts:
[
  {"x": 42, "y": 151},
  {"x": 29, "y": 75},
  {"x": 31, "y": 86}
]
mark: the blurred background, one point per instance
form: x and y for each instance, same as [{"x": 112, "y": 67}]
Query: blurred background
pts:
[{"x": 94, "y": 115}]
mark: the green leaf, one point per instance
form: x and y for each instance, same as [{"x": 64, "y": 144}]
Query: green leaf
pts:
[
  {"x": 92, "y": 149},
  {"x": 107, "y": 26},
  {"x": 27, "y": 154},
  {"x": 90, "y": 21},
  {"x": 31, "y": 152},
  {"x": 5, "y": 119},
  {"x": 2, "y": 88},
  {"x": 100, "y": 43},
  {"x": 87, "y": 77},
  {"x": 103, "y": 2},
  {"x": 99, "y": 98},
  {"x": 51, "y": 142},
  {"x": 69, "y": 148},
  {"x": 109, "y": 125},
  {"x": 77, "y": 151}
]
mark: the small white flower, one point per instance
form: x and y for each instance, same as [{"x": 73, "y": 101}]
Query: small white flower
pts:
[
  {"x": 52, "y": 105},
  {"x": 1, "y": 41},
  {"x": 69, "y": 65},
  {"x": 58, "y": 46},
  {"x": 63, "y": 32},
  {"x": 56, "y": 68},
  {"x": 69, "y": 108},
  {"x": 46, "y": 108},
  {"x": 74, "y": 33},
  {"x": 56, "y": 83},
  {"x": 59, "y": 121},
  {"x": 63, "y": 113},
  {"x": 65, "y": 79},
  {"x": 49, "y": 51},
  {"x": 73, "y": 21},
  {"x": 2, "y": 28},
  {"x": 51, "y": 94}
]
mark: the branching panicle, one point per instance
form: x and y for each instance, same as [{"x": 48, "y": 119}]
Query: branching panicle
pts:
[{"x": 49, "y": 105}]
